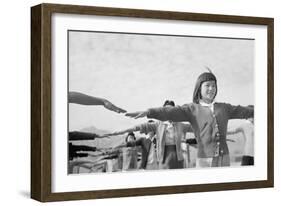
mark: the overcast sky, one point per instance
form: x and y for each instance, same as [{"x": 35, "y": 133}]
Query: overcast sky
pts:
[{"x": 137, "y": 72}]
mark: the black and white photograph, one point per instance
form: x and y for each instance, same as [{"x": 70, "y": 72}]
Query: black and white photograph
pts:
[
  {"x": 133, "y": 102},
  {"x": 140, "y": 102}
]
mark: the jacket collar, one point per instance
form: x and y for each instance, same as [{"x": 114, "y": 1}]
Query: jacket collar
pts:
[{"x": 210, "y": 106}]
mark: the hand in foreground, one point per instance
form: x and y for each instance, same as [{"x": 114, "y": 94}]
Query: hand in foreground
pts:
[
  {"x": 136, "y": 115},
  {"x": 108, "y": 105}
]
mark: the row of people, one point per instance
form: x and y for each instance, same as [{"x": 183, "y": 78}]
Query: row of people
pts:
[
  {"x": 207, "y": 119},
  {"x": 169, "y": 136}
]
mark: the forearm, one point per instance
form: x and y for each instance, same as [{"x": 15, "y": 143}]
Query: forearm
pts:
[
  {"x": 80, "y": 98},
  {"x": 235, "y": 131},
  {"x": 231, "y": 132},
  {"x": 121, "y": 146},
  {"x": 81, "y": 136},
  {"x": 176, "y": 114},
  {"x": 133, "y": 129},
  {"x": 240, "y": 112},
  {"x": 83, "y": 148}
]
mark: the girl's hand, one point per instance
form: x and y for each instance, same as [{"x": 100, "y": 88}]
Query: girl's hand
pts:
[{"x": 136, "y": 115}]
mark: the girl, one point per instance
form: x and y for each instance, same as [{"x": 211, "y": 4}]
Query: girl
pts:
[{"x": 208, "y": 119}]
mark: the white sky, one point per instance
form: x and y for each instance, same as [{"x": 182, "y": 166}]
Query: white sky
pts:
[{"x": 136, "y": 72}]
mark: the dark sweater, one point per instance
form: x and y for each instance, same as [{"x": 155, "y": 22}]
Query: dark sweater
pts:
[{"x": 202, "y": 121}]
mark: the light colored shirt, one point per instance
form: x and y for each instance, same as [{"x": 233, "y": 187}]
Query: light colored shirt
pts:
[
  {"x": 169, "y": 134},
  {"x": 204, "y": 104},
  {"x": 130, "y": 158},
  {"x": 248, "y": 135},
  {"x": 151, "y": 159}
]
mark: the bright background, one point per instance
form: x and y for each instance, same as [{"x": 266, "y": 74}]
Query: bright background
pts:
[{"x": 15, "y": 104}]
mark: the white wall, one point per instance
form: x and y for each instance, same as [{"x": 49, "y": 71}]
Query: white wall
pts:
[{"x": 15, "y": 103}]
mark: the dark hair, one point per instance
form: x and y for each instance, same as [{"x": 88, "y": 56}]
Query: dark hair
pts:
[
  {"x": 169, "y": 102},
  {"x": 130, "y": 134},
  {"x": 206, "y": 76}
]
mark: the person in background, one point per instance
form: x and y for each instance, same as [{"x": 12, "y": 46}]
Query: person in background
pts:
[
  {"x": 169, "y": 135},
  {"x": 79, "y": 150},
  {"x": 148, "y": 150},
  {"x": 129, "y": 154},
  {"x": 247, "y": 131},
  {"x": 83, "y": 99}
]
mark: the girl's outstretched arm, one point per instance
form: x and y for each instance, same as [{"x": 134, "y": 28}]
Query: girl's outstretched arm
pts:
[
  {"x": 176, "y": 114},
  {"x": 239, "y": 112}
]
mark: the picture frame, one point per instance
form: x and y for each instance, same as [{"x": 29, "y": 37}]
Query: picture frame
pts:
[{"x": 42, "y": 86}]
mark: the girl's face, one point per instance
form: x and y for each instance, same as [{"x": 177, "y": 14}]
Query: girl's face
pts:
[{"x": 208, "y": 91}]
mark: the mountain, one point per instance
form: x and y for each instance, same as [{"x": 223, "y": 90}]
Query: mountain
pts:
[
  {"x": 95, "y": 130},
  {"x": 113, "y": 141}
]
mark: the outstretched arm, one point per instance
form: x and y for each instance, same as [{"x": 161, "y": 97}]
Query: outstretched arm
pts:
[
  {"x": 137, "y": 115},
  {"x": 239, "y": 112},
  {"x": 80, "y": 98},
  {"x": 176, "y": 114},
  {"x": 234, "y": 131},
  {"x": 143, "y": 128},
  {"x": 120, "y": 132},
  {"x": 77, "y": 136}
]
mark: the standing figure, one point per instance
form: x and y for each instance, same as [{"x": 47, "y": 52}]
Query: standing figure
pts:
[
  {"x": 208, "y": 119},
  {"x": 129, "y": 156},
  {"x": 169, "y": 136},
  {"x": 247, "y": 131}
]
